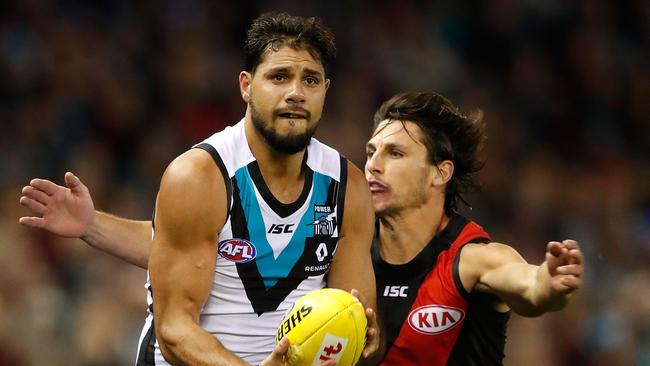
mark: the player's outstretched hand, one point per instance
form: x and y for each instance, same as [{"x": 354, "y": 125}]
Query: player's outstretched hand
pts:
[
  {"x": 278, "y": 356},
  {"x": 65, "y": 211},
  {"x": 565, "y": 265},
  {"x": 372, "y": 333}
]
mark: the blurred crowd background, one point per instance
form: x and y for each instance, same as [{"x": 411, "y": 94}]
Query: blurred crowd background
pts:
[{"x": 113, "y": 90}]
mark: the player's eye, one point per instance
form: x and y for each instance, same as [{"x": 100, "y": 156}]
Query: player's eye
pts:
[{"x": 310, "y": 80}]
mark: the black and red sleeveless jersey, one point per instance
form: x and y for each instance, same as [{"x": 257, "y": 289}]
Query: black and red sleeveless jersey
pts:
[{"x": 428, "y": 316}]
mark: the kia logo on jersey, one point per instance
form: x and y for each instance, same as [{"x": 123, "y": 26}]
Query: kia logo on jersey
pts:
[
  {"x": 237, "y": 250},
  {"x": 434, "y": 319}
]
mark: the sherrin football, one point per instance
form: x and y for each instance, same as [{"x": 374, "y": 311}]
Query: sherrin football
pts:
[{"x": 322, "y": 325}]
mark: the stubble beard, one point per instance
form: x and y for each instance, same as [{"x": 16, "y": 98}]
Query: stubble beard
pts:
[
  {"x": 284, "y": 144},
  {"x": 411, "y": 200}
]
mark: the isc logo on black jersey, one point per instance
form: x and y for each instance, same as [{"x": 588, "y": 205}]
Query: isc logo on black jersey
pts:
[{"x": 396, "y": 291}]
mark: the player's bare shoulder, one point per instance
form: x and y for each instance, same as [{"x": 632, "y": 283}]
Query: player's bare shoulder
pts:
[
  {"x": 192, "y": 186},
  {"x": 192, "y": 167}
]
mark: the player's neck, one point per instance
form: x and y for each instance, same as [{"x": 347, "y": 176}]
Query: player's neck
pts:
[
  {"x": 282, "y": 173},
  {"x": 403, "y": 235}
]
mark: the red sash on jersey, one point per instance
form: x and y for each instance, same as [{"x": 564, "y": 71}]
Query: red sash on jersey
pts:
[{"x": 436, "y": 317}]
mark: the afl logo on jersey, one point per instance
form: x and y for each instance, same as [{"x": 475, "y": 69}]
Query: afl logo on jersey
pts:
[
  {"x": 434, "y": 319},
  {"x": 237, "y": 250}
]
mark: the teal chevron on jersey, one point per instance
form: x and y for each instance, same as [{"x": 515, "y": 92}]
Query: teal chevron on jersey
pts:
[{"x": 271, "y": 268}]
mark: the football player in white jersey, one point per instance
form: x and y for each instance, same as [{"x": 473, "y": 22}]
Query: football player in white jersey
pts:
[{"x": 284, "y": 87}]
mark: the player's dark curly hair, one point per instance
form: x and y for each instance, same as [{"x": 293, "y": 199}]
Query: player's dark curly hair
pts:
[
  {"x": 448, "y": 135},
  {"x": 274, "y": 30}
]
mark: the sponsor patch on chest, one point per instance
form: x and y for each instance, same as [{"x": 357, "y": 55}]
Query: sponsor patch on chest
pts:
[
  {"x": 324, "y": 220},
  {"x": 435, "y": 319}
]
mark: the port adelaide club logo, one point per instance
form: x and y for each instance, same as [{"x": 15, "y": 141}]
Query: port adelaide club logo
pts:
[{"x": 324, "y": 220}]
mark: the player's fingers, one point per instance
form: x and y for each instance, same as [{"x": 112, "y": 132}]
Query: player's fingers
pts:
[
  {"x": 372, "y": 334},
  {"x": 277, "y": 355},
  {"x": 282, "y": 347},
  {"x": 556, "y": 259},
  {"x": 33, "y": 205},
  {"x": 31, "y": 221},
  {"x": 570, "y": 269},
  {"x": 576, "y": 256},
  {"x": 371, "y": 347},
  {"x": 354, "y": 292},
  {"x": 371, "y": 316},
  {"x": 35, "y": 194},
  {"x": 73, "y": 182},
  {"x": 554, "y": 248},
  {"x": 559, "y": 287},
  {"x": 44, "y": 185},
  {"x": 572, "y": 282},
  {"x": 570, "y": 244}
]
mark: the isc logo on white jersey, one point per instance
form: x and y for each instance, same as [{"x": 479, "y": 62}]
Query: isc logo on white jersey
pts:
[
  {"x": 434, "y": 319},
  {"x": 237, "y": 250},
  {"x": 396, "y": 291},
  {"x": 281, "y": 228}
]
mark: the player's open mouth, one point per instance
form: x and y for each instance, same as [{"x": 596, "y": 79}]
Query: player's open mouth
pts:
[
  {"x": 376, "y": 187},
  {"x": 292, "y": 116}
]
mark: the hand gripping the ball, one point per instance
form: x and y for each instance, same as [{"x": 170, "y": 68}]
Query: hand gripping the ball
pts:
[
  {"x": 372, "y": 332},
  {"x": 279, "y": 355},
  {"x": 326, "y": 326}
]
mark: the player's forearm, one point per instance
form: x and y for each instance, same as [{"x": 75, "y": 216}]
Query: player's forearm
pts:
[
  {"x": 129, "y": 240},
  {"x": 188, "y": 344},
  {"x": 518, "y": 285}
]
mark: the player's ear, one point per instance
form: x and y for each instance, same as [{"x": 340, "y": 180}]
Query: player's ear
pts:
[
  {"x": 327, "y": 84},
  {"x": 245, "y": 80},
  {"x": 443, "y": 172}
]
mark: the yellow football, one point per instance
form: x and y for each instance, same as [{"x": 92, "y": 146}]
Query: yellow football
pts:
[{"x": 322, "y": 325}]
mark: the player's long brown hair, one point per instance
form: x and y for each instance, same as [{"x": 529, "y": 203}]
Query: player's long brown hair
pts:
[{"x": 447, "y": 133}]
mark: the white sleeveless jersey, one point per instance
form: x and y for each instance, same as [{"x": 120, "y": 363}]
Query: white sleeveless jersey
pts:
[{"x": 269, "y": 253}]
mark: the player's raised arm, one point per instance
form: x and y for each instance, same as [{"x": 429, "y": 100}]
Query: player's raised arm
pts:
[
  {"x": 69, "y": 212},
  {"x": 352, "y": 265},
  {"x": 183, "y": 257},
  {"x": 528, "y": 289}
]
